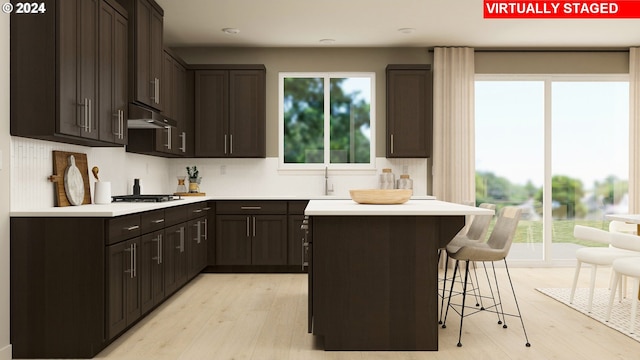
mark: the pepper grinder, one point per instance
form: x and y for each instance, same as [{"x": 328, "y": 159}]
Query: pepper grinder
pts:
[{"x": 136, "y": 186}]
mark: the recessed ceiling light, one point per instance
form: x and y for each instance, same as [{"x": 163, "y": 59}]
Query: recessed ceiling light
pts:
[
  {"x": 406, "y": 30},
  {"x": 327, "y": 41},
  {"x": 230, "y": 31}
]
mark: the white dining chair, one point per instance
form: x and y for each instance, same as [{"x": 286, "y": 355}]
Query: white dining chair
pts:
[
  {"x": 629, "y": 267},
  {"x": 594, "y": 256}
]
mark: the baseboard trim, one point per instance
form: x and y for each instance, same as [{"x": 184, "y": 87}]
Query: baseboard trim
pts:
[{"x": 5, "y": 353}]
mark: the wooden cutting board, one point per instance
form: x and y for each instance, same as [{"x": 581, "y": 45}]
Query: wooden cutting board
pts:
[{"x": 60, "y": 164}]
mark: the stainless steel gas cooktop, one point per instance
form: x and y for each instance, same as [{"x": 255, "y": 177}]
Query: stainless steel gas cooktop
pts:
[{"x": 144, "y": 198}]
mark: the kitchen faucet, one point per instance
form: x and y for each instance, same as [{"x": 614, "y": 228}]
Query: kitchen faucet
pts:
[{"x": 326, "y": 181}]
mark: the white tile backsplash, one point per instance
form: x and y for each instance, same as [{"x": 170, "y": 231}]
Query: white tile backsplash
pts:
[{"x": 31, "y": 163}]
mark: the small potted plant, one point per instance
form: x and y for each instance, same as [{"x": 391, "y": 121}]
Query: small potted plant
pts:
[{"x": 194, "y": 179}]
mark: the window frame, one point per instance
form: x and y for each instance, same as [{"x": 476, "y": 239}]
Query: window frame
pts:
[
  {"x": 548, "y": 257},
  {"x": 327, "y": 76}
]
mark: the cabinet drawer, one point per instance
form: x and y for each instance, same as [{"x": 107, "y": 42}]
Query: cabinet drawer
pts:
[
  {"x": 122, "y": 228},
  {"x": 297, "y": 207},
  {"x": 251, "y": 207},
  {"x": 198, "y": 210},
  {"x": 152, "y": 221},
  {"x": 176, "y": 214}
]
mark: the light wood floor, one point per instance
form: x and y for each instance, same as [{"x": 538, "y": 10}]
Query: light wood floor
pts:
[{"x": 264, "y": 316}]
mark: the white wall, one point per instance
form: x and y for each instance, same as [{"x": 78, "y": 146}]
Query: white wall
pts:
[
  {"x": 31, "y": 165},
  {"x": 5, "y": 173}
]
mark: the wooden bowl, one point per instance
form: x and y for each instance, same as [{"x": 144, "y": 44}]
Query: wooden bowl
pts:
[{"x": 381, "y": 196}]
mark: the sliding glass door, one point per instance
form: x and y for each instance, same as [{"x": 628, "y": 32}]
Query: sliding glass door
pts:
[{"x": 558, "y": 148}]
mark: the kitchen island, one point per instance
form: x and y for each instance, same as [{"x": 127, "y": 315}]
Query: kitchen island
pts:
[{"x": 373, "y": 271}]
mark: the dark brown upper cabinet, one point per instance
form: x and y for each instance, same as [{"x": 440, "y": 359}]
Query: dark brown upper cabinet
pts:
[
  {"x": 409, "y": 111},
  {"x": 147, "y": 48},
  {"x": 66, "y": 72},
  {"x": 230, "y": 117},
  {"x": 177, "y": 90},
  {"x": 113, "y": 65}
]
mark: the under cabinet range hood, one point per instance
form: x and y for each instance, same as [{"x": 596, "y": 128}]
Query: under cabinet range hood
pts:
[{"x": 141, "y": 117}]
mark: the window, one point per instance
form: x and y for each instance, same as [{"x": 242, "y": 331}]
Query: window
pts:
[
  {"x": 556, "y": 146},
  {"x": 327, "y": 119}
]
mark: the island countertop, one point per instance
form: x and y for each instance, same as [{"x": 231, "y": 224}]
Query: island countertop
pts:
[{"x": 413, "y": 207}]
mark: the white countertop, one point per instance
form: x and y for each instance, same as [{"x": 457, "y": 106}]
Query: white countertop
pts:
[
  {"x": 126, "y": 208},
  {"x": 413, "y": 207},
  {"x": 108, "y": 210}
]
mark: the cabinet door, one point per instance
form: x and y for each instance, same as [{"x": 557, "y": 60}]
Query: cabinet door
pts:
[
  {"x": 197, "y": 238},
  {"x": 123, "y": 294},
  {"x": 175, "y": 259},
  {"x": 151, "y": 270},
  {"x": 409, "y": 113},
  {"x": 233, "y": 241},
  {"x": 156, "y": 60},
  {"x": 246, "y": 113},
  {"x": 211, "y": 113},
  {"x": 148, "y": 55},
  {"x": 78, "y": 70},
  {"x": 269, "y": 240},
  {"x": 112, "y": 76}
]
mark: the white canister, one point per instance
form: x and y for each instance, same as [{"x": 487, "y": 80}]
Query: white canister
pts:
[
  {"x": 102, "y": 193},
  {"x": 386, "y": 180}
]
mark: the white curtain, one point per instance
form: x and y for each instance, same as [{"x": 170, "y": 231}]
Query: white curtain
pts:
[
  {"x": 453, "y": 125},
  {"x": 634, "y": 130}
]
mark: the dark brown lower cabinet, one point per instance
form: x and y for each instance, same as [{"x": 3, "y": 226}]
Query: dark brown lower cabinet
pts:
[
  {"x": 151, "y": 270},
  {"x": 251, "y": 240},
  {"x": 123, "y": 286},
  {"x": 175, "y": 258},
  {"x": 198, "y": 241},
  {"x": 77, "y": 283},
  {"x": 57, "y": 287}
]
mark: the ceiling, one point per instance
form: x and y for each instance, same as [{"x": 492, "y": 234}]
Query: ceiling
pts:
[{"x": 375, "y": 23}]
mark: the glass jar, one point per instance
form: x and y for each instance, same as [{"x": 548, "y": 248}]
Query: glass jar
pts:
[
  {"x": 387, "y": 180},
  {"x": 182, "y": 188},
  {"x": 405, "y": 182}
]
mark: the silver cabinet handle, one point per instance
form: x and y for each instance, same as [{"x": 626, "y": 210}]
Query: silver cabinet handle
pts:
[
  {"x": 121, "y": 124},
  {"x": 183, "y": 148},
  {"x": 158, "y": 242},
  {"x": 131, "y": 228},
  {"x": 254, "y": 226},
  {"x": 206, "y": 208},
  {"x": 392, "y": 143},
  {"x": 197, "y": 226},
  {"x": 168, "y": 144},
  {"x": 156, "y": 90},
  {"x": 90, "y": 117},
  {"x": 251, "y": 208},
  {"x": 206, "y": 229},
  {"x": 135, "y": 260},
  {"x": 159, "y": 221},
  {"x": 231, "y": 144},
  {"x": 84, "y": 124},
  {"x": 132, "y": 265},
  {"x": 118, "y": 130},
  {"x": 248, "y": 226},
  {"x": 182, "y": 239},
  {"x": 197, "y": 211},
  {"x": 225, "y": 144}
]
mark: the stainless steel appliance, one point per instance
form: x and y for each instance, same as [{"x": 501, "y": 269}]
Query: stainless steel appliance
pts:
[{"x": 144, "y": 198}]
